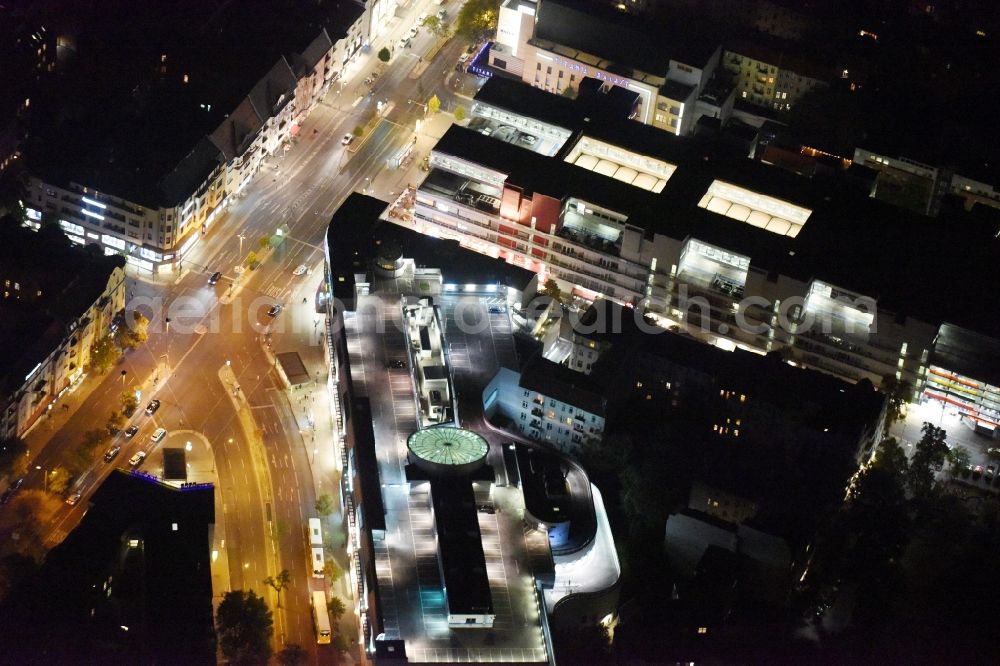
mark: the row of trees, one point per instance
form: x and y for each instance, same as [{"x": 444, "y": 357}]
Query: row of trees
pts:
[
  {"x": 108, "y": 349},
  {"x": 244, "y": 625},
  {"x": 910, "y": 546}
]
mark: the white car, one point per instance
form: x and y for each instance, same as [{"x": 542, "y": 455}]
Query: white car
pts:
[
  {"x": 413, "y": 31},
  {"x": 137, "y": 459},
  {"x": 158, "y": 435},
  {"x": 346, "y": 141},
  {"x": 301, "y": 269},
  {"x": 421, "y": 18}
]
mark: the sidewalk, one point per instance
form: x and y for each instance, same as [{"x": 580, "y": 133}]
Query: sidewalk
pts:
[
  {"x": 312, "y": 408},
  {"x": 388, "y": 183}
]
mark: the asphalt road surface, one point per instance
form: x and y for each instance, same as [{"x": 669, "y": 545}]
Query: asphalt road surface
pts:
[{"x": 265, "y": 493}]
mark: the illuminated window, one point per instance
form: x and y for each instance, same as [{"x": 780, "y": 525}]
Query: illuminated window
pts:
[{"x": 702, "y": 630}]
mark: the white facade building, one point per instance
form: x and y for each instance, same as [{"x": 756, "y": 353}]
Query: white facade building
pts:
[{"x": 668, "y": 86}]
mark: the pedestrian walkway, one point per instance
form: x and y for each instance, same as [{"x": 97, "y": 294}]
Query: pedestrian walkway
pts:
[{"x": 388, "y": 183}]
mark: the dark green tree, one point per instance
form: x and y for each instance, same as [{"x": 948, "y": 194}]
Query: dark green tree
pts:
[
  {"x": 959, "y": 458},
  {"x": 279, "y": 582},
  {"x": 551, "y": 289},
  {"x": 116, "y": 422},
  {"x": 897, "y": 393},
  {"x": 103, "y": 354},
  {"x": 292, "y": 655},
  {"x": 477, "y": 19},
  {"x": 59, "y": 479},
  {"x": 244, "y": 625},
  {"x": 437, "y": 27},
  {"x": 928, "y": 457},
  {"x": 891, "y": 457},
  {"x": 331, "y": 569},
  {"x": 324, "y": 505},
  {"x": 336, "y": 607},
  {"x": 129, "y": 402},
  {"x": 384, "y": 54}
]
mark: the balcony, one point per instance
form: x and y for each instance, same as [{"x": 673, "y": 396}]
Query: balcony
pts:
[
  {"x": 589, "y": 240},
  {"x": 536, "y": 412}
]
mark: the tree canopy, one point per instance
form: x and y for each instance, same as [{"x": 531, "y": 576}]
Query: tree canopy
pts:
[
  {"x": 104, "y": 354},
  {"x": 477, "y": 19},
  {"x": 244, "y": 626},
  {"x": 324, "y": 505}
]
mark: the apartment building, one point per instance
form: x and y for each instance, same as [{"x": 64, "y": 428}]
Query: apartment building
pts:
[
  {"x": 737, "y": 253},
  {"x": 774, "y": 77},
  {"x": 154, "y": 172},
  {"x": 547, "y": 402},
  {"x": 920, "y": 186},
  {"x": 49, "y": 320},
  {"x": 555, "y": 44}
]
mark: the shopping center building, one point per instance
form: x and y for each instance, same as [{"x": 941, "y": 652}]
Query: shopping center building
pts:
[
  {"x": 736, "y": 252},
  {"x": 464, "y": 546}
]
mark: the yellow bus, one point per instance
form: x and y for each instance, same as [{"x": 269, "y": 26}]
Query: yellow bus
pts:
[{"x": 321, "y": 616}]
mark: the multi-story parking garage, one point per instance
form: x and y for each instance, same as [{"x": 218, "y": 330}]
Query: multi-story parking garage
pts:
[{"x": 454, "y": 557}]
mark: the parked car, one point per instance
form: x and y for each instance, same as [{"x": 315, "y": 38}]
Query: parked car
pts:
[
  {"x": 112, "y": 453},
  {"x": 215, "y": 277},
  {"x": 464, "y": 58},
  {"x": 421, "y": 18},
  {"x": 497, "y": 309},
  {"x": 442, "y": 14},
  {"x": 397, "y": 364},
  {"x": 404, "y": 42},
  {"x": 158, "y": 435},
  {"x": 137, "y": 459},
  {"x": 346, "y": 141},
  {"x": 301, "y": 269},
  {"x": 413, "y": 31},
  {"x": 72, "y": 499},
  {"x": 131, "y": 431},
  {"x": 9, "y": 493},
  {"x": 152, "y": 407},
  {"x": 993, "y": 452},
  {"x": 275, "y": 310}
]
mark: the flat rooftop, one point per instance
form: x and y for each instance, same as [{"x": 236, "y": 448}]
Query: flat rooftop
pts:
[
  {"x": 848, "y": 238},
  {"x": 162, "y": 591},
  {"x": 356, "y": 232},
  {"x": 461, "y": 547},
  {"x": 146, "y": 82},
  {"x": 622, "y": 41}
]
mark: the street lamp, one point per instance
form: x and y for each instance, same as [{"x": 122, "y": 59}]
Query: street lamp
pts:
[{"x": 45, "y": 477}]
